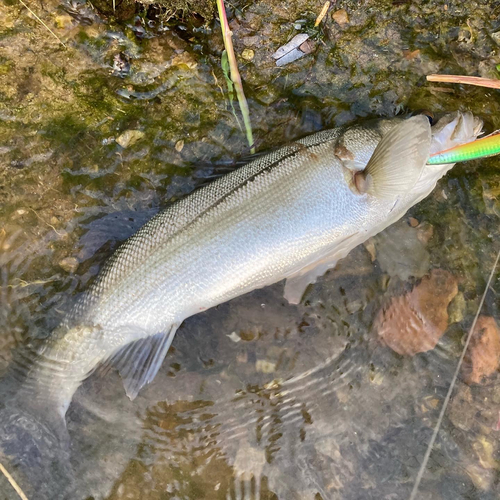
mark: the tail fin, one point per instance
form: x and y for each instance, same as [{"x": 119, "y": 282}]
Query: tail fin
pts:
[{"x": 34, "y": 449}]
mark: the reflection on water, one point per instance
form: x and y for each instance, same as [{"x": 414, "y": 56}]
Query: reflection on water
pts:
[{"x": 257, "y": 398}]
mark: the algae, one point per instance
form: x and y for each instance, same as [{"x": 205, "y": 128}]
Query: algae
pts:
[{"x": 70, "y": 193}]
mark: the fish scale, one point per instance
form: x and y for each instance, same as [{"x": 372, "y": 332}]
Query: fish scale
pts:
[{"x": 290, "y": 214}]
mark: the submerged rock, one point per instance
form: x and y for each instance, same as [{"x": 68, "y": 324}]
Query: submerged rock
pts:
[
  {"x": 69, "y": 264},
  {"x": 483, "y": 357},
  {"x": 129, "y": 137},
  {"x": 401, "y": 252},
  {"x": 414, "y": 322}
]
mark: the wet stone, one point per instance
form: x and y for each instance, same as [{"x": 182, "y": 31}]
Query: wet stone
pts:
[
  {"x": 414, "y": 322},
  {"x": 340, "y": 16},
  {"x": 129, "y": 138},
  {"x": 401, "y": 253},
  {"x": 483, "y": 357},
  {"x": 69, "y": 264}
]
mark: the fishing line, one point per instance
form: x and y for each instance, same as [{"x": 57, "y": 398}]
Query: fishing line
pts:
[
  {"x": 13, "y": 483},
  {"x": 414, "y": 491}
]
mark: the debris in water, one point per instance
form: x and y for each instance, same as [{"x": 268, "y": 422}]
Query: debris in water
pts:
[
  {"x": 69, "y": 264},
  {"x": 234, "y": 337},
  {"x": 414, "y": 322},
  {"x": 341, "y": 17},
  {"x": 263, "y": 366},
  {"x": 468, "y": 80},
  {"x": 401, "y": 252},
  {"x": 234, "y": 72},
  {"x": 293, "y": 50},
  {"x": 322, "y": 14},
  {"x": 248, "y": 54},
  {"x": 129, "y": 137},
  {"x": 483, "y": 358}
]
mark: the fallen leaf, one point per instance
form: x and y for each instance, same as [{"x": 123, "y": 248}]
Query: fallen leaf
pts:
[
  {"x": 483, "y": 357},
  {"x": 414, "y": 322},
  {"x": 370, "y": 247},
  {"x": 341, "y": 17},
  {"x": 410, "y": 55}
]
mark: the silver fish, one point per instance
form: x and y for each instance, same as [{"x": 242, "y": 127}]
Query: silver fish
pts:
[{"x": 291, "y": 214}]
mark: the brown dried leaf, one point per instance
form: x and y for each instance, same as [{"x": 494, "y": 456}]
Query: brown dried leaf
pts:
[
  {"x": 468, "y": 80},
  {"x": 341, "y": 17},
  {"x": 483, "y": 357},
  {"x": 414, "y": 322},
  {"x": 410, "y": 55}
]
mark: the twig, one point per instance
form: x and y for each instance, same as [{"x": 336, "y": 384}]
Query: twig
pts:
[
  {"x": 468, "y": 80},
  {"x": 13, "y": 483},
  {"x": 43, "y": 24},
  {"x": 235, "y": 74},
  {"x": 322, "y": 14},
  {"x": 421, "y": 471}
]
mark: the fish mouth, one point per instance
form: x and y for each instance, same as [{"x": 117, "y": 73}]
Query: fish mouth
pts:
[{"x": 453, "y": 130}]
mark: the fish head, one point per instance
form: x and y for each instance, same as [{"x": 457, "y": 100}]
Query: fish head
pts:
[
  {"x": 405, "y": 154},
  {"x": 451, "y": 130}
]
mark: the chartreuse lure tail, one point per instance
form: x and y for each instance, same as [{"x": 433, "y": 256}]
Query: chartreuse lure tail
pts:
[{"x": 480, "y": 148}]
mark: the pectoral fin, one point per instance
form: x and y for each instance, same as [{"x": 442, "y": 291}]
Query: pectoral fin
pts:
[{"x": 398, "y": 160}]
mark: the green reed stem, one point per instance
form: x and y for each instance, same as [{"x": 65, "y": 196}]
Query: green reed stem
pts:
[{"x": 235, "y": 74}]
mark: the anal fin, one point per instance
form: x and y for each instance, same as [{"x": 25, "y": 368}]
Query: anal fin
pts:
[
  {"x": 139, "y": 362},
  {"x": 296, "y": 284}
]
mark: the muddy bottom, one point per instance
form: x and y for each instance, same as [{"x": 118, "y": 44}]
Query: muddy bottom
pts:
[{"x": 105, "y": 121}]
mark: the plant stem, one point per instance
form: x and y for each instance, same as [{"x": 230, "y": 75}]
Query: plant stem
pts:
[
  {"x": 469, "y": 80},
  {"x": 235, "y": 74}
]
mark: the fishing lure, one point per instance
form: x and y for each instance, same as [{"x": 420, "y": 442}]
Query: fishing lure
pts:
[{"x": 480, "y": 148}]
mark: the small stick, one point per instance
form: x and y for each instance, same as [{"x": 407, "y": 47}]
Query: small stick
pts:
[
  {"x": 468, "y": 80},
  {"x": 235, "y": 74},
  {"x": 43, "y": 24},
  {"x": 322, "y": 14},
  {"x": 13, "y": 483}
]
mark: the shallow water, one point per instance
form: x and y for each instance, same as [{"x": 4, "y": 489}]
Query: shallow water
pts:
[{"x": 256, "y": 398}]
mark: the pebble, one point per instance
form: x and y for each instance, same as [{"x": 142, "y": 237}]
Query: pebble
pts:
[
  {"x": 483, "y": 356},
  {"x": 69, "y": 264},
  {"x": 263, "y": 366},
  {"x": 341, "y": 17},
  {"x": 414, "y": 322},
  {"x": 248, "y": 54},
  {"x": 129, "y": 137}
]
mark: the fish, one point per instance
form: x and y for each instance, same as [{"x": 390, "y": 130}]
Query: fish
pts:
[{"x": 290, "y": 214}]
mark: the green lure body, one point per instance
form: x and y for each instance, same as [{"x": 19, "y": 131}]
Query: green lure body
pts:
[{"x": 480, "y": 148}]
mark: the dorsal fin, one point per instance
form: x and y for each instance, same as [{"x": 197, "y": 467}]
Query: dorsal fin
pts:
[{"x": 139, "y": 362}]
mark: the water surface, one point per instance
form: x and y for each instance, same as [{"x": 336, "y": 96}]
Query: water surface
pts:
[{"x": 256, "y": 398}]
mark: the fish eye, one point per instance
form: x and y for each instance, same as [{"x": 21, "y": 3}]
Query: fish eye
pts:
[{"x": 429, "y": 114}]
